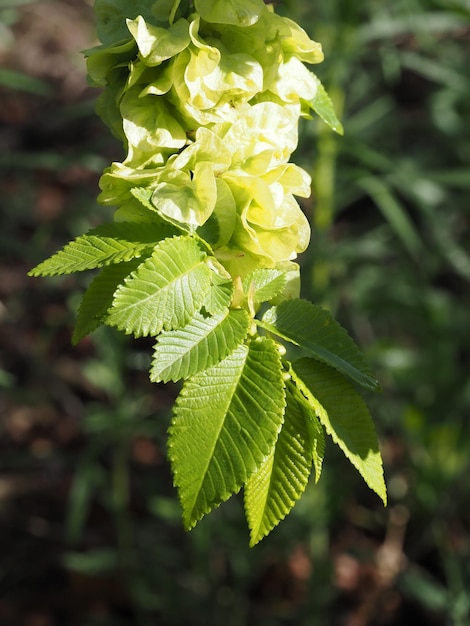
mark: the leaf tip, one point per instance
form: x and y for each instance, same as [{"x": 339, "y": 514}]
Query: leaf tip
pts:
[
  {"x": 39, "y": 271},
  {"x": 338, "y": 128}
]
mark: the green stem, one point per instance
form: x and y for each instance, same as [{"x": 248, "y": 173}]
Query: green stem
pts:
[
  {"x": 121, "y": 500},
  {"x": 323, "y": 181}
]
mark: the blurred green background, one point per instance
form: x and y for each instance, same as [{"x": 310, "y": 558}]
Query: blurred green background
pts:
[{"x": 90, "y": 530}]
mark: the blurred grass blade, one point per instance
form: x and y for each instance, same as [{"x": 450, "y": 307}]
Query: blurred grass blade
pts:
[
  {"x": 394, "y": 213},
  {"x": 369, "y": 115},
  {"x": 420, "y": 23},
  {"x": 457, "y": 178},
  {"x": 88, "y": 478},
  {"x": 92, "y": 563},
  {"x": 419, "y": 585},
  {"x": 433, "y": 70},
  {"x": 22, "y": 82}
]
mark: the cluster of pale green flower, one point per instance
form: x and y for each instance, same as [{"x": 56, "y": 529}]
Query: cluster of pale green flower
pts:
[{"x": 207, "y": 102}]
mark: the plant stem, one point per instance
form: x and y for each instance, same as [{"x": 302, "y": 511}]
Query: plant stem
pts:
[{"x": 121, "y": 500}]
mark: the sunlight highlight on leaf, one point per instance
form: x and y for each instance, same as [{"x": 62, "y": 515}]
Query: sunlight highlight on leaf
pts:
[
  {"x": 226, "y": 422},
  {"x": 164, "y": 292},
  {"x": 200, "y": 344},
  {"x": 105, "y": 245}
]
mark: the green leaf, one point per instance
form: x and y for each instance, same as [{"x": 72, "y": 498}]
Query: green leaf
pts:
[
  {"x": 316, "y": 331},
  {"x": 226, "y": 422},
  {"x": 102, "y": 61},
  {"x": 111, "y": 17},
  {"x": 210, "y": 230},
  {"x": 164, "y": 292},
  {"x": 220, "y": 293},
  {"x": 272, "y": 491},
  {"x": 236, "y": 12},
  {"x": 345, "y": 416},
  {"x": 323, "y": 107},
  {"x": 200, "y": 344},
  {"x": 158, "y": 44},
  {"x": 317, "y": 433},
  {"x": 264, "y": 284},
  {"x": 99, "y": 297},
  {"x": 107, "y": 244},
  {"x": 144, "y": 196},
  {"x": 12, "y": 79}
]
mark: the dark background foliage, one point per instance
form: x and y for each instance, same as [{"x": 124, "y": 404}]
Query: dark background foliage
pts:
[{"x": 90, "y": 530}]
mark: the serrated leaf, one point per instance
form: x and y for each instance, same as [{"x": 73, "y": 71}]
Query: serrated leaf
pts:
[
  {"x": 105, "y": 245},
  {"x": 316, "y": 331},
  {"x": 317, "y": 432},
  {"x": 264, "y": 284},
  {"x": 323, "y": 107},
  {"x": 272, "y": 491},
  {"x": 226, "y": 422},
  {"x": 199, "y": 345},
  {"x": 144, "y": 196},
  {"x": 164, "y": 292},
  {"x": 219, "y": 295},
  {"x": 345, "y": 416},
  {"x": 99, "y": 297}
]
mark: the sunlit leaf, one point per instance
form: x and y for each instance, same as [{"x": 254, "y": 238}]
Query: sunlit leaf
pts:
[
  {"x": 219, "y": 295},
  {"x": 105, "y": 245},
  {"x": 323, "y": 107},
  {"x": 264, "y": 284},
  {"x": 226, "y": 422},
  {"x": 158, "y": 44},
  {"x": 200, "y": 344},
  {"x": 236, "y": 12},
  {"x": 164, "y": 292}
]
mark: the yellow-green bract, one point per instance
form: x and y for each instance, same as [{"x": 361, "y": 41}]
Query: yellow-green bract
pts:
[{"x": 208, "y": 105}]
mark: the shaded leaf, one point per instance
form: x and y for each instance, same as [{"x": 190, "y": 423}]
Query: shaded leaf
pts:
[
  {"x": 99, "y": 297},
  {"x": 345, "y": 417},
  {"x": 272, "y": 491},
  {"x": 316, "y": 331},
  {"x": 317, "y": 433}
]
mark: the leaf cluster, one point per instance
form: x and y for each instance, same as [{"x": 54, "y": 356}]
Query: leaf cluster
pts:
[
  {"x": 199, "y": 256},
  {"x": 246, "y": 416}
]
